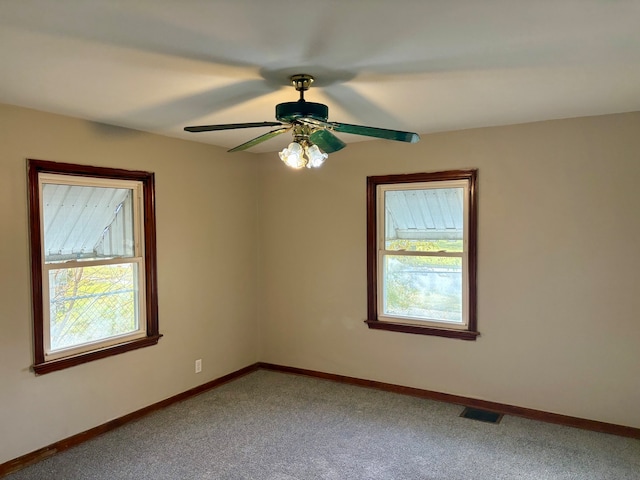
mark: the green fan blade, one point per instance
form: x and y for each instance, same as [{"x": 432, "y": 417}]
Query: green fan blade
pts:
[
  {"x": 260, "y": 139},
  {"x": 326, "y": 141},
  {"x": 230, "y": 126},
  {"x": 375, "y": 132}
]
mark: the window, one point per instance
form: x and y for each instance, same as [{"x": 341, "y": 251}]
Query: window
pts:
[
  {"x": 93, "y": 262},
  {"x": 421, "y": 253}
]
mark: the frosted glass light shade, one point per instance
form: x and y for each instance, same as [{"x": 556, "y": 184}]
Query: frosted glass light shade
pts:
[
  {"x": 293, "y": 156},
  {"x": 316, "y": 156}
]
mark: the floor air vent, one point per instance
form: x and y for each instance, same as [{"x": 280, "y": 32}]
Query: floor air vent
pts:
[{"x": 482, "y": 415}]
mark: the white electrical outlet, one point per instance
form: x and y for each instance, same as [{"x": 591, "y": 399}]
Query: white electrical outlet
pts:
[{"x": 198, "y": 365}]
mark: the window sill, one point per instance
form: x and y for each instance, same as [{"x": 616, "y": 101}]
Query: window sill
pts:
[
  {"x": 419, "y": 330},
  {"x": 66, "y": 362}
]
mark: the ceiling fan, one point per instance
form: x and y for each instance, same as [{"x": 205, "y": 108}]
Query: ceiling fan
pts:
[{"x": 312, "y": 137}]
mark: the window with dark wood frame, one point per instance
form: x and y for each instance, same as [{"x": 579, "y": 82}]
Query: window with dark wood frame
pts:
[
  {"x": 144, "y": 281},
  {"x": 408, "y": 211}
]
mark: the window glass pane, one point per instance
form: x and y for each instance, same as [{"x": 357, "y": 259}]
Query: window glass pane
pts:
[
  {"x": 428, "y": 220},
  {"x": 86, "y": 222},
  {"x": 423, "y": 288},
  {"x": 92, "y": 303}
]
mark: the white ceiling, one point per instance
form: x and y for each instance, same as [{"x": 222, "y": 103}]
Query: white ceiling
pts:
[{"x": 416, "y": 65}]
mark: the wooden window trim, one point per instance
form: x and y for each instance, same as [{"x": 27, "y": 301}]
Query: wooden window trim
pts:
[
  {"x": 34, "y": 169},
  {"x": 471, "y": 175}
]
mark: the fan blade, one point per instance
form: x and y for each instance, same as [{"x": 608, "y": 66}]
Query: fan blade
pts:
[
  {"x": 230, "y": 126},
  {"x": 327, "y": 141},
  {"x": 362, "y": 130},
  {"x": 260, "y": 139},
  {"x": 375, "y": 132}
]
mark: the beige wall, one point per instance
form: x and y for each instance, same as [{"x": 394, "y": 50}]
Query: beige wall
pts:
[
  {"x": 259, "y": 262},
  {"x": 559, "y": 268},
  {"x": 206, "y": 226}
]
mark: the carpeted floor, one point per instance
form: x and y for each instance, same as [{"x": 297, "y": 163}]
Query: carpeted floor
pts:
[{"x": 275, "y": 426}]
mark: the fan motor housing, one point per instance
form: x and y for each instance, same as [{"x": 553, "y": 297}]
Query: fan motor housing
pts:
[{"x": 287, "y": 112}]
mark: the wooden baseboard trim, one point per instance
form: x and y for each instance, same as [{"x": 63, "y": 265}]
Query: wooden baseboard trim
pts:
[
  {"x": 529, "y": 413},
  {"x": 42, "y": 453}
]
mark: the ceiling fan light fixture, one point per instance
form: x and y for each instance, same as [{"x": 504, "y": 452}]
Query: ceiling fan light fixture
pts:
[{"x": 300, "y": 154}]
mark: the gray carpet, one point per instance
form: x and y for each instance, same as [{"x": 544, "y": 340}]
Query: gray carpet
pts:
[{"x": 276, "y": 426}]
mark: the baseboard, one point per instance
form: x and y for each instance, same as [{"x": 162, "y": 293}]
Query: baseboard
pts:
[
  {"x": 42, "y": 453},
  {"x": 529, "y": 413},
  {"x": 57, "y": 447}
]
